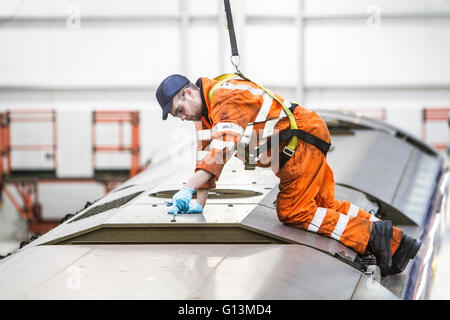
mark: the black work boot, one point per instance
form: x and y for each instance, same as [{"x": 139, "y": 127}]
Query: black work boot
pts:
[
  {"x": 407, "y": 250},
  {"x": 379, "y": 245}
]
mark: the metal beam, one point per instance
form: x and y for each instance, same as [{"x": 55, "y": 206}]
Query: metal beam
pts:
[
  {"x": 409, "y": 87},
  {"x": 273, "y": 20},
  {"x": 274, "y": 86},
  {"x": 384, "y": 16},
  {"x": 332, "y": 18},
  {"x": 86, "y": 88},
  {"x": 100, "y": 21},
  {"x": 92, "y": 20}
]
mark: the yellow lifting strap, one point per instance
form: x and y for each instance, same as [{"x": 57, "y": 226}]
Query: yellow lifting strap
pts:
[{"x": 292, "y": 123}]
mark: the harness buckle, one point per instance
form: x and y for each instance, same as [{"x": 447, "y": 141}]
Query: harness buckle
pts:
[
  {"x": 236, "y": 61},
  {"x": 289, "y": 152}
]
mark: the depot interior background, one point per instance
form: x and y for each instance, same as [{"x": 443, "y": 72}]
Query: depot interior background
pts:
[{"x": 78, "y": 82}]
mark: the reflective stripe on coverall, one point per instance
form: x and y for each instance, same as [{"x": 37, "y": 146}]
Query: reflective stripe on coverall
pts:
[{"x": 238, "y": 109}]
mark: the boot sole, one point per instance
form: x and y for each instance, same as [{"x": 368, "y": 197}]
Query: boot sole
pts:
[
  {"x": 411, "y": 254},
  {"x": 414, "y": 249}
]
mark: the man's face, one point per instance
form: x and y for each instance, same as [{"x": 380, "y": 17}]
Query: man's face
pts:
[{"x": 188, "y": 106}]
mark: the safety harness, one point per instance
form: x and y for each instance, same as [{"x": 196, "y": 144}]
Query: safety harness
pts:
[{"x": 293, "y": 133}]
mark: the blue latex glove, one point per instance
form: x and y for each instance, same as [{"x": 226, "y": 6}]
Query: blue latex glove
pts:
[
  {"x": 195, "y": 207},
  {"x": 180, "y": 201},
  {"x": 173, "y": 209}
]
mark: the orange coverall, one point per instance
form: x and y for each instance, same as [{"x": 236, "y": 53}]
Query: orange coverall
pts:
[{"x": 237, "y": 109}]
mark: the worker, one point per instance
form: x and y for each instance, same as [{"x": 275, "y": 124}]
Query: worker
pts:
[{"x": 236, "y": 110}]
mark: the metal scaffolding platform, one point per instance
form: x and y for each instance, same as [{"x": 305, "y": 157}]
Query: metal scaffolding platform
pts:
[{"x": 24, "y": 181}]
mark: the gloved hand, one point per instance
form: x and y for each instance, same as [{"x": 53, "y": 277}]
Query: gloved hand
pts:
[
  {"x": 195, "y": 207},
  {"x": 180, "y": 201},
  {"x": 173, "y": 210}
]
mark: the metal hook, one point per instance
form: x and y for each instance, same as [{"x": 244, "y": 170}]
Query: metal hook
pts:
[{"x": 235, "y": 61}]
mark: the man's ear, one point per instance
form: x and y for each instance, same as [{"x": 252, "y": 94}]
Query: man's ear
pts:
[{"x": 190, "y": 92}]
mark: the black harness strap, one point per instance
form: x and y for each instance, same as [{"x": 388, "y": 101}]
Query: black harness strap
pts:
[
  {"x": 234, "y": 49},
  {"x": 287, "y": 134},
  {"x": 307, "y": 137},
  {"x": 303, "y": 135}
]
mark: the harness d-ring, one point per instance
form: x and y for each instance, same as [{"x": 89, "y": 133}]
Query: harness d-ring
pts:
[{"x": 236, "y": 61}]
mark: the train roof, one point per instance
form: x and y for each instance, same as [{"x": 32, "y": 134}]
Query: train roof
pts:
[{"x": 236, "y": 249}]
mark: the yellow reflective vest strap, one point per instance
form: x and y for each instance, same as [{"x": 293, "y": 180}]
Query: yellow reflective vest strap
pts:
[
  {"x": 220, "y": 80},
  {"x": 292, "y": 123}
]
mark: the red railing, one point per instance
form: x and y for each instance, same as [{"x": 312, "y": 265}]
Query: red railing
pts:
[
  {"x": 435, "y": 115},
  {"x": 26, "y": 187},
  {"x": 27, "y": 116},
  {"x": 119, "y": 117}
]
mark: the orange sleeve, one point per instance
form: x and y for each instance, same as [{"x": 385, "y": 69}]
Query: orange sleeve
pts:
[
  {"x": 203, "y": 139},
  {"x": 229, "y": 123}
]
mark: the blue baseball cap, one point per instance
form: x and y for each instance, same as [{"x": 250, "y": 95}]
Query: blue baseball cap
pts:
[{"x": 168, "y": 89}]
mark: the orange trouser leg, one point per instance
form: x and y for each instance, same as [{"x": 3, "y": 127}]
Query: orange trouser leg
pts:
[
  {"x": 301, "y": 180},
  {"x": 354, "y": 232},
  {"x": 306, "y": 201},
  {"x": 325, "y": 198}
]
